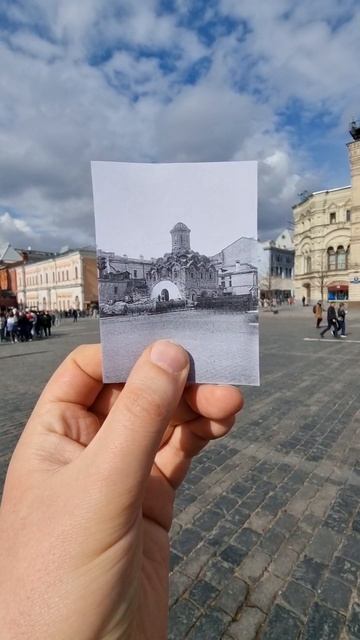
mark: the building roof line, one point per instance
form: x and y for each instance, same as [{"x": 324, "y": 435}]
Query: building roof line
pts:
[{"x": 348, "y": 186}]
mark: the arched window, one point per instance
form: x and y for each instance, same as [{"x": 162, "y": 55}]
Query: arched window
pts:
[
  {"x": 341, "y": 258},
  {"x": 307, "y": 264},
  {"x": 331, "y": 259}
]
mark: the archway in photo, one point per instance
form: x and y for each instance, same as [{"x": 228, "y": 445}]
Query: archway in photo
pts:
[{"x": 167, "y": 290}]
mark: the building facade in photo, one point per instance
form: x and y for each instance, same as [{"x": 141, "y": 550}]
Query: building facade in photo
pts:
[
  {"x": 327, "y": 238},
  {"x": 277, "y": 277},
  {"x": 65, "y": 281},
  {"x": 238, "y": 266},
  {"x": 182, "y": 273}
]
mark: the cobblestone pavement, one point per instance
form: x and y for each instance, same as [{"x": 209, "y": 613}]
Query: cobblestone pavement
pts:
[{"x": 266, "y": 538}]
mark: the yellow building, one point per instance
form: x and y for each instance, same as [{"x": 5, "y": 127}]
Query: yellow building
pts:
[
  {"x": 327, "y": 238},
  {"x": 66, "y": 281}
]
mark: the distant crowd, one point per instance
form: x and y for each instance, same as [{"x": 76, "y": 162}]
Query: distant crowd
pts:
[{"x": 25, "y": 326}]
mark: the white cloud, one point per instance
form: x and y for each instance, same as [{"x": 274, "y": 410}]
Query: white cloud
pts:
[{"x": 58, "y": 111}]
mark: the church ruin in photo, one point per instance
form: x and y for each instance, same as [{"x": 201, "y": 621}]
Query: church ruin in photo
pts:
[{"x": 182, "y": 278}]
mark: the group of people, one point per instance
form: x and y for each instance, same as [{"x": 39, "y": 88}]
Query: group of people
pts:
[
  {"x": 24, "y": 326},
  {"x": 335, "y": 320}
]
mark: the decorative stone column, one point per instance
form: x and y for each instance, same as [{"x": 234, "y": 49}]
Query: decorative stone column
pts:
[{"x": 354, "y": 159}]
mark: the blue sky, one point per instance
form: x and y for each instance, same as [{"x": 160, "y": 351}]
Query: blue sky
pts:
[{"x": 170, "y": 80}]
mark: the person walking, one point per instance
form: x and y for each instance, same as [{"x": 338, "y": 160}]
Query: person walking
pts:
[
  {"x": 75, "y": 315},
  {"x": 331, "y": 321},
  {"x": 303, "y": 301},
  {"x": 341, "y": 319},
  {"x": 2, "y": 327},
  {"x": 318, "y": 310}
]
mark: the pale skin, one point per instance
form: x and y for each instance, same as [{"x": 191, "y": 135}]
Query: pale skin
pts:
[{"x": 87, "y": 503}]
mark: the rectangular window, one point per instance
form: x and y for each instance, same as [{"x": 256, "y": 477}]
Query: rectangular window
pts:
[
  {"x": 348, "y": 215},
  {"x": 135, "y": 273},
  {"x": 115, "y": 290},
  {"x": 332, "y": 217}
]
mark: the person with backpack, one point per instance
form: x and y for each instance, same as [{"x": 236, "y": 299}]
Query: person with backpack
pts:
[{"x": 318, "y": 311}]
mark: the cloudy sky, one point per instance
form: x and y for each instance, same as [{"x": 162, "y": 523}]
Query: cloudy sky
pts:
[{"x": 169, "y": 80}]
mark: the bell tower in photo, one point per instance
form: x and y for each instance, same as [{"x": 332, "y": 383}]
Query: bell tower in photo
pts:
[
  {"x": 354, "y": 159},
  {"x": 180, "y": 236}
]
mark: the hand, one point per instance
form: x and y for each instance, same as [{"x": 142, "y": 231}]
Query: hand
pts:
[{"x": 88, "y": 498}]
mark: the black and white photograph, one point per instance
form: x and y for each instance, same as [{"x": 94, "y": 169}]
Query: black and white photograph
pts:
[{"x": 177, "y": 258}]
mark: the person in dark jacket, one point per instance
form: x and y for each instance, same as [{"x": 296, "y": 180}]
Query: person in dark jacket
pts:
[
  {"x": 341, "y": 319},
  {"x": 331, "y": 321}
]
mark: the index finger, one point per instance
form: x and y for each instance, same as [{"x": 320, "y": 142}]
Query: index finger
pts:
[{"x": 78, "y": 379}]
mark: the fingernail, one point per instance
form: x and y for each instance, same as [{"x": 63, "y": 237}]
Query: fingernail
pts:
[{"x": 169, "y": 356}]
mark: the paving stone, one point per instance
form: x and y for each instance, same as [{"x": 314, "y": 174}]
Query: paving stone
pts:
[
  {"x": 175, "y": 559},
  {"x": 247, "y": 626},
  {"x": 232, "y": 596},
  {"x": 337, "y": 519},
  {"x": 323, "y": 545},
  {"x": 202, "y": 593},
  {"x": 246, "y": 538},
  {"x": 260, "y": 521},
  {"x": 225, "y": 503},
  {"x": 335, "y": 594},
  {"x": 286, "y": 523},
  {"x": 238, "y": 516},
  {"x": 323, "y": 624},
  {"x": 217, "y": 572},
  {"x": 196, "y": 561},
  {"x": 308, "y": 572},
  {"x": 283, "y": 563},
  {"x": 178, "y": 584},
  {"x": 186, "y": 541},
  {"x": 353, "y": 623},
  {"x": 208, "y": 520},
  {"x": 210, "y": 625},
  {"x": 310, "y": 522},
  {"x": 351, "y": 548},
  {"x": 221, "y": 535},
  {"x": 240, "y": 489},
  {"x": 272, "y": 541},
  {"x": 233, "y": 554},
  {"x": 298, "y": 598},
  {"x": 265, "y": 591},
  {"x": 299, "y": 539},
  {"x": 356, "y": 522},
  {"x": 345, "y": 570},
  {"x": 282, "y": 624},
  {"x": 254, "y": 566},
  {"x": 182, "y": 617}
]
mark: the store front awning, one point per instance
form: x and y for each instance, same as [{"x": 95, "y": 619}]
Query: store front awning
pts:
[{"x": 338, "y": 286}]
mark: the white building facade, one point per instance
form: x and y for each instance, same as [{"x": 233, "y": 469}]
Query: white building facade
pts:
[{"x": 66, "y": 281}]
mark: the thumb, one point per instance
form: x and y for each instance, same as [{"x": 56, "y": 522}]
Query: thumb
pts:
[{"x": 122, "y": 453}]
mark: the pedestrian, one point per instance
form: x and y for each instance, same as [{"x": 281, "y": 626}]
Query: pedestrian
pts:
[
  {"x": 2, "y": 327},
  {"x": 88, "y": 499},
  {"x": 341, "y": 319},
  {"x": 318, "y": 311},
  {"x": 75, "y": 315},
  {"x": 303, "y": 301},
  {"x": 332, "y": 323},
  {"x": 47, "y": 324},
  {"x": 12, "y": 327},
  {"x": 23, "y": 325}
]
